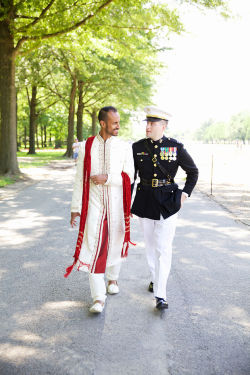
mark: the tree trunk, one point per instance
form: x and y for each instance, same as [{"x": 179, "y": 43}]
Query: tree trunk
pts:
[
  {"x": 8, "y": 142},
  {"x": 94, "y": 121},
  {"x": 32, "y": 105},
  {"x": 37, "y": 138},
  {"x": 25, "y": 136},
  {"x": 79, "y": 112},
  {"x": 42, "y": 136},
  {"x": 45, "y": 136},
  {"x": 18, "y": 144},
  {"x": 58, "y": 143},
  {"x": 71, "y": 116}
]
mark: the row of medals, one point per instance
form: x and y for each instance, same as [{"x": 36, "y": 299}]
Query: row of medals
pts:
[{"x": 168, "y": 153}]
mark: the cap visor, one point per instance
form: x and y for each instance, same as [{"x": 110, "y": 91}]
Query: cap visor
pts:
[{"x": 153, "y": 119}]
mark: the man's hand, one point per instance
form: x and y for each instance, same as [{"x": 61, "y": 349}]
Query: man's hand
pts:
[
  {"x": 74, "y": 215},
  {"x": 99, "y": 179},
  {"x": 183, "y": 198}
]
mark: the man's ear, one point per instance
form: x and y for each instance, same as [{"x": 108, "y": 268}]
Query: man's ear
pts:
[
  {"x": 102, "y": 123},
  {"x": 165, "y": 125}
]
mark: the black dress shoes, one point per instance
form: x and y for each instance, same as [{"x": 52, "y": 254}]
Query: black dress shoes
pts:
[
  {"x": 161, "y": 304},
  {"x": 151, "y": 287}
]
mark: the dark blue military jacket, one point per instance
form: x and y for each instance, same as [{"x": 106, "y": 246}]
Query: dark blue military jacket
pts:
[{"x": 151, "y": 202}]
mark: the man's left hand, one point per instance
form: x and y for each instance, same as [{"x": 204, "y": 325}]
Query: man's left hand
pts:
[
  {"x": 99, "y": 179},
  {"x": 183, "y": 198}
]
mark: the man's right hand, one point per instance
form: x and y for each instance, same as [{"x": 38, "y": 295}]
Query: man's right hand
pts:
[{"x": 74, "y": 215}]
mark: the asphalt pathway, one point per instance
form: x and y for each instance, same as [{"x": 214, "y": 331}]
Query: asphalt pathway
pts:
[{"x": 45, "y": 324}]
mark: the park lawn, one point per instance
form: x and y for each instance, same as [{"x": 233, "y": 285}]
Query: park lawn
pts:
[
  {"x": 39, "y": 159},
  {"x": 30, "y": 161},
  {"x": 7, "y": 181}
]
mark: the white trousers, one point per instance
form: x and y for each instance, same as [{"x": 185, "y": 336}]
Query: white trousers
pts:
[
  {"x": 158, "y": 236},
  {"x": 97, "y": 282}
]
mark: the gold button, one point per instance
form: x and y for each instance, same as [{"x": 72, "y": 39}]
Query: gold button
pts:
[
  {"x": 141, "y": 160},
  {"x": 155, "y": 155},
  {"x": 154, "y": 165},
  {"x": 155, "y": 174},
  {"x": 156, "y": 146}
]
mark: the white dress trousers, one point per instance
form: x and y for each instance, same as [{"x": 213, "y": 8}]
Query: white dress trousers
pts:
[
  {"x": 158, "y": 236},
  {"x": 97, "y": 282}
]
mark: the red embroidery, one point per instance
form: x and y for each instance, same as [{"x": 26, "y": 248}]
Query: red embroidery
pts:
[
  {"x": 81, "y": 264},
  {"x": 85, "y": 202}
]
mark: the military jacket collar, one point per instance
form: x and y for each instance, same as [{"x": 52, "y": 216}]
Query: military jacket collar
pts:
[{"x": 158, "y": 142}]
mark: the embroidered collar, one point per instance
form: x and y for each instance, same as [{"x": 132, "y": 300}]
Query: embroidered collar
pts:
[{"x": 100, "y": 139}]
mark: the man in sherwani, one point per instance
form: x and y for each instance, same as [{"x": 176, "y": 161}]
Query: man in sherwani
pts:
[{"x": 100, "y": 245}]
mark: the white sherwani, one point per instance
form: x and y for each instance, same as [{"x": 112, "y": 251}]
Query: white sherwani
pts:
[{"x": 111, "y": 157}]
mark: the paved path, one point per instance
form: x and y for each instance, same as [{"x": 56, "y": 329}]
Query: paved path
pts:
[{"x": 45, "y": 324}]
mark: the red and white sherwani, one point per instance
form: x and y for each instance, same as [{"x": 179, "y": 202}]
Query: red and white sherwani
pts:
[{"x": 105, "y": 228}]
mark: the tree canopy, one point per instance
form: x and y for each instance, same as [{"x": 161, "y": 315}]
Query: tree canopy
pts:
[
  {"x": 236, "y": 129},
  {"x": 62, "y": 50}
]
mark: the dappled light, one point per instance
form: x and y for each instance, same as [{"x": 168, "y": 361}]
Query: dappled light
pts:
[
  {"x": 238, "y": 315},
  {"x": 50, "y": 320},
  {"x": 2, "y": 272},
  {"x": 61, "y": 305},
  {"x": 19, "y": 353},
  {"x": 30, "y": 265},
  {"x": 25, "y": 336},
  {"x": 243, "y": 255},
  {"x": 61, "y": 62}
]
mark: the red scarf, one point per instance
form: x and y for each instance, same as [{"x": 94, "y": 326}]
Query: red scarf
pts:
[{"x": 85, "y": 202}]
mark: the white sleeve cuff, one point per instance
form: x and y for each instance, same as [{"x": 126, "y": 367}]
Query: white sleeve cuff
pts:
[
  {"x": 108, "y": 180},
  {"x": 186, "y": 194}
]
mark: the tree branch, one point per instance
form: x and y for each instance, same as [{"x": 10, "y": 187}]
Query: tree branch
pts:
[
  {"x": 97, "y": 100},
  {"x": 25, "y": 17},
  {"x": 18, "y": 4},
  {"x": 64, "y": 31},
  {"x": 28, "y": 96},
  {"x": 48, "y": 106},
  {"x": 129, "y": 27},
  {"x": 37, "y": 19}
]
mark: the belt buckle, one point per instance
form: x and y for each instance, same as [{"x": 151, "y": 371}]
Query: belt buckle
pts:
[{"x": 155, "y": 182}]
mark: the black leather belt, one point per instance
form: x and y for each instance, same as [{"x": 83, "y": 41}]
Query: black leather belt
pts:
[{"x": 155, "y": 182}]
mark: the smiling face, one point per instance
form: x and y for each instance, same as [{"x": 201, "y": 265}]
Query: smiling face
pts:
[
  {"x": 110, "y": 127},
  {"x": 155, "y": 129}
]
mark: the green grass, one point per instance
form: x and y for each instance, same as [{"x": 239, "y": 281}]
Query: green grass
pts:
[
  {"x": 39, "y": 159},
  {"x": 49, "y": 155},
  {"x": 4, "y": 181},
  {"x": 30, "y": 161}
]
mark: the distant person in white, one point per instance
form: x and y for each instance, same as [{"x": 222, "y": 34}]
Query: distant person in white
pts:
[{"x": 75, "y": 148}]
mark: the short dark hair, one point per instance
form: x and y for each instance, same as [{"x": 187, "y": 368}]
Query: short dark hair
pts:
[{"x": 102, "y": 115}]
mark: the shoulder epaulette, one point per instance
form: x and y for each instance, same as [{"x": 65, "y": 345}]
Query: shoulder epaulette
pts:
[{"x": 175, "y": 141}]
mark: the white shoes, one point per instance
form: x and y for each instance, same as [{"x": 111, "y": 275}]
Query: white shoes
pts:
[
  {"x": 96, "y": 308},
  {"x": 113, "y": 289}
]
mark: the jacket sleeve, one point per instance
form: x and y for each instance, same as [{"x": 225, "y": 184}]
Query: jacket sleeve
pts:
[
  {"x": 135, "y": 171},
  {"x": 76, "y": 204},
  {"x": 188, "y": 165},
  {"x": 115, "y": 179}
]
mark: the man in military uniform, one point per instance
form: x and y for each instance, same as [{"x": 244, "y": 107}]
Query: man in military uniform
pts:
[{"x": 158, "y": 198}]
